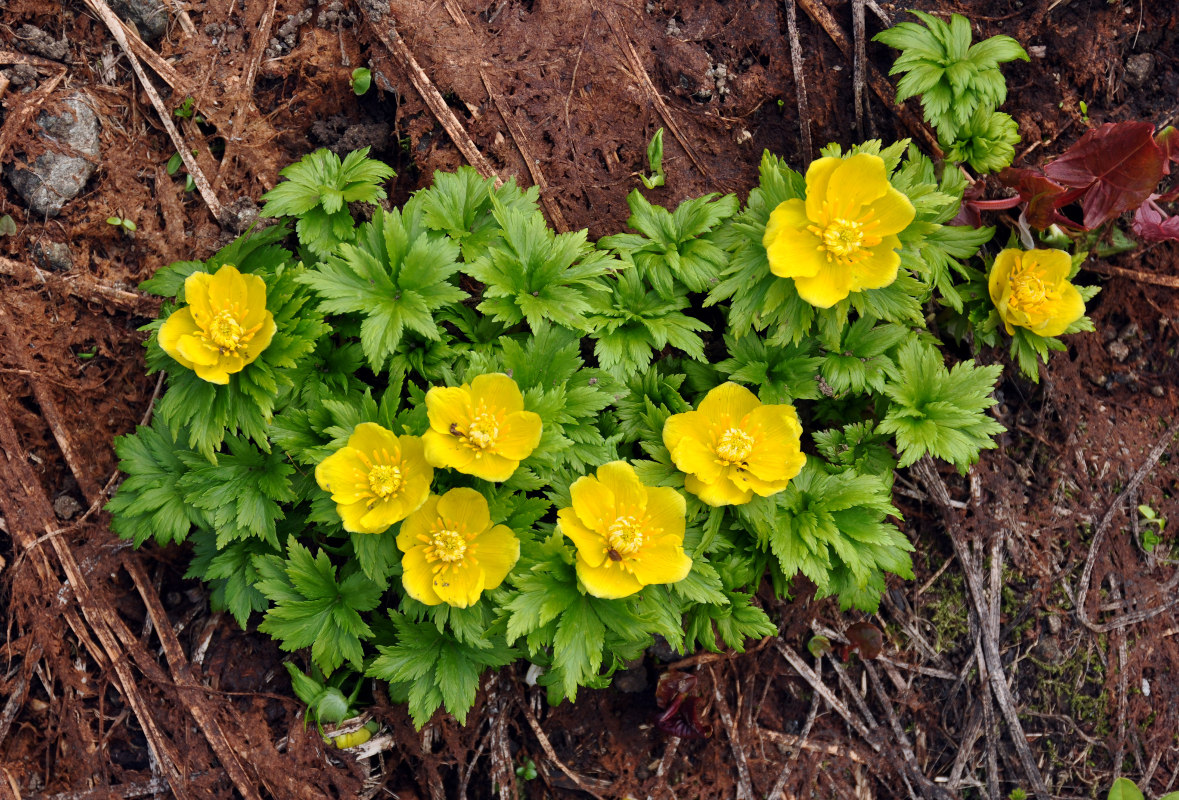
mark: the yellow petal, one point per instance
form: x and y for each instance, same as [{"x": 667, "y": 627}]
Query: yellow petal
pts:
[
  {"x": 444, "y": 450},
  {"x": 178, "y": 325},
  {"x": 725, "y": 406},
  {"x": 353, "y": 514},
  {"x": 746, "y": 481},
  {"x": 1065, "y": 311},
  {"x": 464, "y": 510},
  {"x": 879, "y": 268},
  {"x": 386, "y": 511},
  {"x": 490, "y": 467},
  {"x": 828, "y": 287},
  {"x": 999, "y": 280},
  {"x": 594, "y": 503},
  {"x": 198, "y": 351},
  {"x": 665, "y": 511},
  {"x": 792, "y": 250},
  {"x": 498, "y": 391},
  {"x": 519, "y": 434},
  {"x": 891, "y": 213},
  {"x": 344, "y": 476},
  {"x": 498, "y": 552},
  {"x": 447, "y": 406},
  {"x": 196, "y": 294},
  {"x": 663, "y": 561},
  {"x": 722, "y": 492},
  {"x": 413, "y": 455},
  {"x": 461, "y": 585},
  {"x": 630, "y": 495},
  {"x": 376, "y": 443},
  {"x": 228, "y": 292},
  {"x": 777, "y": 436},
  {"x": 590, "y": 546},
  {"x": 818, "y": 176},
  {"x": 688, "y": 437},
  {"x": 213, "y": 374},
  {"x": 418, "y": 576},
  {"x": 857, "y": 182},
  {"x": 1052, "y": 266},
  {"x": 608, "y": 581},
  {"x": 255, "y": 308},
  {"x": 418, "y": 524},
  {"x": 261, "y": 340}
]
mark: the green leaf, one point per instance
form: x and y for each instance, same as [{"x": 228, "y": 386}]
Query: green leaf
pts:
[
  {"x": 1124, "y": 789},
  {"x": 654, "y": 161}
]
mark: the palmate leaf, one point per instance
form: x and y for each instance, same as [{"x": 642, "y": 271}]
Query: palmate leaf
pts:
[
  {"x": 534, "y": 275},
  {"x": 395, "y": 276},
  {"x": 460, "y": 205}
]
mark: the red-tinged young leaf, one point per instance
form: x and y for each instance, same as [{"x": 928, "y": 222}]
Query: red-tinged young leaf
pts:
[
  {"x": 1152, "y": 224},
  {"x": 672, "y": 684},
  {"x": 866, "y": 639},
  {"x": 1118, "y": 163},
  {"x": 683, "y": 719},
  {"x": 1168, "y": 141},
  {"x": 1044, "y": 197}
]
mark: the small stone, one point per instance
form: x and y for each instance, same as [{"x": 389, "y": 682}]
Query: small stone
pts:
[
  {"x": 150, "y": 17},
  {"x": 59, "y": 175},
  {"x": 1096, "y": 378},
  {"x": 1128, "y": 332},
  {"x": 1119, "y": 350},
  {"x": 239, "y": 215},
  {"x": 1038, "y": 51},
  {"x": 633, "y": 679},
  {"x": 1048, "y": 649},
  {"x": 1054, "y": 624},
  {"x": 35, "y": 40},
  {"x": 55, "y": 256},
  {"x": 66, "y": 507},
  {"x": 663, "y": 651},
  {"x": 1158, "y": 391},
  {"x": 1139, "y": 68}
]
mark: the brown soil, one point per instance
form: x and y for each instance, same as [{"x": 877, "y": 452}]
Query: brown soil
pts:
[{"x": 115, "y": 680}]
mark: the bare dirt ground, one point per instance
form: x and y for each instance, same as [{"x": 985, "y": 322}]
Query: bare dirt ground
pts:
[{"x": 115, "y": 679}]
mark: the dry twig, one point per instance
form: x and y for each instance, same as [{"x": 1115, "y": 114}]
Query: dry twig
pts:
[
  {"x": 82, "y": 287},
  {"x": 744, "y": 785},
  {"x": 804, "y": 110},
  {"x": 547, "y": 746}
]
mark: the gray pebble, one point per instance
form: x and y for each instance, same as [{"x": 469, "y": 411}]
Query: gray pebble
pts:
[
  {"x": 150, "y": 17},
  {"x": 35, "y": 40},
  {"x": 1139, "y": 68},
  {"x": 59, "y": 174},
  {"x": 54, "y": 256},
  {"x": 66, "y": 507}
]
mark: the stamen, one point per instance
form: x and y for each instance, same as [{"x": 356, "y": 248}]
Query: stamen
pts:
[{"x": 734, "y": 446}]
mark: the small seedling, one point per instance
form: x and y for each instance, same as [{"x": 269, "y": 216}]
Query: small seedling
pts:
[
  {"x": 187, "y": 110},
  {"x": 1017, "y": 794},
  {"x": 87, "y": 356},
  {"x": 1084, "y": 111},
  {"x": 174, "y": 164},
  {"x": 127, "y": 225},
  {"x": 362, "y": 79},
  {"x": 654, "y": 161},
  {"x": 527, "y": 770},
  {"x": 1147, "y": 516}
]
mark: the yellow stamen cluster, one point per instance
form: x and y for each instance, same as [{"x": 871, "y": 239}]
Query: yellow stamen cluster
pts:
[
  {"x": 734, "y": 447},
  {"x": 448, "y": 546},
  {"x": 385, "y": 479},
  {"x": 624, "y": 536}
]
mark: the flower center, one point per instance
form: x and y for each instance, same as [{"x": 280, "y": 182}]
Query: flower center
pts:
[
  {"x": 384, "y": 480},
  {"x": 1028, "y": 289},
  {"x": 734, "y": 446},
  {"x": 624, "y": 537},
  {"x": 448, "y": 546},
  {"x": 225, "y": 332},
  {"x": 483, "y": 431}
]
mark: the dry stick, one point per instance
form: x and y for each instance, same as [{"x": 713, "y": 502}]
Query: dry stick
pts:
[
  {"x": 1119, "y": 636},
  {"x": 804, "y": 110},
  {"x": 387, "y": 33},
  {"x": 1170, "y": 281},
  {"x": 1082, "y": 591},
  {"x": 928, "y": 787},
  {"x": 744, "y": 785},
  {"x": 974, "y": 729},
  {"x": 49, "y": 411},
  {"x": 191, "y": 694},
  {"x": 82, "y": 287},
  {"x": 925, "y": 470},
  {"x": 880, "y": 85},
  {"x": 640, "y": 72},
  {"x": 245, "y": 91},
  {"x": 547, "y": 746},
  {"x": 16, "y": 700},
  {"x": 104, "y": 12},
  {"x": 992, "y": 622},
  {"x": 990, "y": 723},
  {"x": 780, "y": 783},
  {"x": 858, "y": 61},
  {"x": 820, "y": 688}
]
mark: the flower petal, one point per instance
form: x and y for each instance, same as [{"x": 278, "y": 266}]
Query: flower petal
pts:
[
  {"x": 777, "y": 435},
  {"x": 725, "y": 406},
  {"x": 180, "y": 323},
  {"x": 891, "y": 213},
  {"x": 197, "y": 350},
  {"x": 228, "y": 292},
  {"x": 722, "y": 492},
  {"x": 663, "y": 561},
  {"x": 212, "y": 373},
  {"x": 498, "y": 552},
  {"x": 444, "y": 450},
  {"x": 418, "y": 524},
  {"x": 489, "y": 466},
  {"x": 747, "y": 481},
  {"x": 261, "y": 340},
  {"x": 498, "y": 392},
  {"x": 447, "y": 406},
  {"x": 418, "y": 576},
  {"x": 385, "y": 512},
  {"x": 591, "y": 546},
  {"x": 1065, "y": 311},
  {"x": 792, "y": 250},
  {"x": 519, "y": 434},
  {"x": 255, "y": 308},
  {"x": 461, "y": 585},
  {"x": 196, "y": 294},
  {"x": 376, "y": 443},
  {"x": 858, "y": 181},
  {"x": 665, "y": 512},
  {"x": 465, "y": 510},
  {"x": 999, "y": 279},
  {"x": 344, "y": 476},
  {"x": 594, "y": 503},
  {"x": 1052, "y": 266},
  {"x": 608, "y": 581},
  {"x": 828, "y": 287},
  {"x": 630, "y": 495},
  {"x": 818, "y": 177},
  {"x": 879, "y": 268},
  {"x": 688, "y": 437},
  {"x": 352, "y": 515}
]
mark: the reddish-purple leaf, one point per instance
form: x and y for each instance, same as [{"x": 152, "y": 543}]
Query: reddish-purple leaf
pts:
[
  {"x": 684, "y": 719},
  {"x": 1117, "y": 164},
  {"x": 1168, "y": 141},
  {"x": 1044, "y": 197},
  {"x": 673, "y": 684},
  {"x": 1152, "y": 224},
  {"x": 866, "y": 639}
]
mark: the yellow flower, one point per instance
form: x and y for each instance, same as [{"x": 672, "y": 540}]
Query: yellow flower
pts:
[
  {"x": 377, "y": 479},
  {"x": 627, "y": 535},
  {"x": 1031, "y": 289},
  {"x": 224, "y": 326},
  {"x": 732, "y": 446},
  {"x": 480, "y": 428},
  {"x": 452, "y": 551},
  {"x": 843, "y": 238}
]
